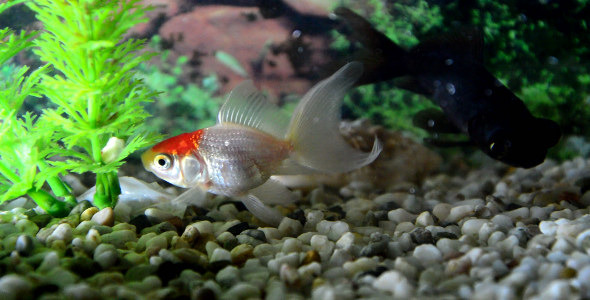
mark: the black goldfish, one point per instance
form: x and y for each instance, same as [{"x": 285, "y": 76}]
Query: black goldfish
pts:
[{"x": 449, "y": 69}]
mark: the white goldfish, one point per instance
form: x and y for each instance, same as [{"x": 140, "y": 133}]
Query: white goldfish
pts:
[{"x": 254, "y": 140}]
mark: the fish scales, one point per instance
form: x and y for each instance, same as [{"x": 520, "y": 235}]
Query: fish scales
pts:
[{"x": 239, "y": 158}]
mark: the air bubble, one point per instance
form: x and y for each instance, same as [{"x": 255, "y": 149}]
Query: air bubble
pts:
[
  {"x": 449, "y": 61},
  {"x": 299, "y": 49},
  {"x": 487, "y": 92},
  {"x": 430, "y": 123},
  {"x": 450, "y": 88},
  {"x": 296, "y": 33}
]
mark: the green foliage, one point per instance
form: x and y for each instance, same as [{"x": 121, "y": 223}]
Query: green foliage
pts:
[
  {"x": 19, "y": 146},
  {"x": 386, "y": 105},
  {"x": 181, "y": 107},
  {"x": 95, "y": 93}
]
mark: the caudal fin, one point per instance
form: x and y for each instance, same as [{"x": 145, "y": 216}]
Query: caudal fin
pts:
[
  {"x": 314, "y": 127},
  {"x": 382, "y": 58}
]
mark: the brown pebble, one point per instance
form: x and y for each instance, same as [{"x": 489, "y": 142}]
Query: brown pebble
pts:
[
  {"x": 311, "y": 256},
  {"x": 177, "y": 222},
  {"x": 241, "y": 253},
  {"x": 568, "y": 273}
]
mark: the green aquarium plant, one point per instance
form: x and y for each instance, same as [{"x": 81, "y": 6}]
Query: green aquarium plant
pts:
[
  {"x": 96, "y": 114},
  {"x": 21, "y": 144}
]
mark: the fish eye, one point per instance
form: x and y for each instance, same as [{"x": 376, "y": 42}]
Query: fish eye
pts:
[
  {"x": 500, "y": 148},
  {"x": 163, "y": 161}
]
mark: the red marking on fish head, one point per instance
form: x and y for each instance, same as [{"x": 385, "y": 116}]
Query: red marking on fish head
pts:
[{"x": 182, "y": 144}]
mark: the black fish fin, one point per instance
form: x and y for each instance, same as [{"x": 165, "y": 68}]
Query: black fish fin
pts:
[
  {"x": 549, "y": 131},
  {"x": 435, "y": 121},
  {"x": 411, "y": 84},
  {"x": 465, "y": 44},
  {"x": 381, "y": 57}
]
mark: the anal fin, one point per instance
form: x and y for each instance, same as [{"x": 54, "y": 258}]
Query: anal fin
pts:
[{"x": 261, "y": 211}]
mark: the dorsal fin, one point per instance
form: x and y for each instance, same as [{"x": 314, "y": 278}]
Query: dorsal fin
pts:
[
  {"x": 465, "y": 43},
  {"x": 246, "y": 105}
]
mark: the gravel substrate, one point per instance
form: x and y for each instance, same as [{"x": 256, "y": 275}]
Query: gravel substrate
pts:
[{"x": 494, "y": 232}]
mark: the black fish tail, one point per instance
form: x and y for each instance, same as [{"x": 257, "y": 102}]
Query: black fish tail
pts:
[{"x": 382, "y": 58}]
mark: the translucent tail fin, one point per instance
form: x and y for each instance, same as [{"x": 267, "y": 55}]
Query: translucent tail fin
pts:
[{"x": 314, "y": 128}]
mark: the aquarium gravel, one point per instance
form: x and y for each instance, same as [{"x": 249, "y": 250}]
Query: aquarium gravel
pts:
[{"x": 492, "y": 232}]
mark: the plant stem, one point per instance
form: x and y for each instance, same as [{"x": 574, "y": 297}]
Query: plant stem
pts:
[
  {"x": 59, "y": 188},
  {"x": 101, "y": 198},
  {"x": 115, "y": 187},
  {"x": 48, "y": 203}
]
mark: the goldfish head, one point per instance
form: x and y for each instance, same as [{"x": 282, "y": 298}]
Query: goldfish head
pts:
[{"x": 175, "y": 161}]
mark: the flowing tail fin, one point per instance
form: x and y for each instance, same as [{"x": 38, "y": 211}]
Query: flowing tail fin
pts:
[
  {"x": 381, "y": 57},
  {"x": 314, "y": 128}
]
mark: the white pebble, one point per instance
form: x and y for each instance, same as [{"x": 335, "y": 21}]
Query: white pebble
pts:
[
  {"x": 503, "y": 222},
  {"x": 427, "y": 254},
  {"x": 322, "y": 245},
  {"x": 404, "y": 227},
  {"x": 62, "y": 232},
  {"x": 313, "y": 218},
  {"x": 472, "y": 226},
  {"x": 583, "y": 240},
  {"x": 271, "y": 233},
  {"x": 441, "y": 211},
  {"x": 291, "y": 245},
  {"x": 548, "y": 227},
  {"x": 220, "y": 254},
  {"x": 400, "y": 215},
  {"x": 105, "y": 216},
  {"x": 292, "y": 259},
  {"x": 310, "y": 270},
  {"x": 13, "y": 286},
  {"x": 105, "y": 255},
  {"x": 565, "y": 213},
  {"x": 50, "y": 262},
  {"x": 333, "y": 230},
  {"x": 557, "y": 289},
  {"x": 424, "y": 219},
  {"x": 447, "y": 246},
  {"x": 345, "y": 241},
  {"x": 519, "y": 213},
  {"x": 395, "y": 283},
  {"x": 459, "y": 212},
  {"x": 290, "y": 227},
  {"x": 540, "y": 213},
  {"x": 360, "y": 265},
  {"x": 156, "y": 215}
]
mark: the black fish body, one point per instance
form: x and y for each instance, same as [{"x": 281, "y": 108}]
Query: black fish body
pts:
[{"x": 450, "y": 71}]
